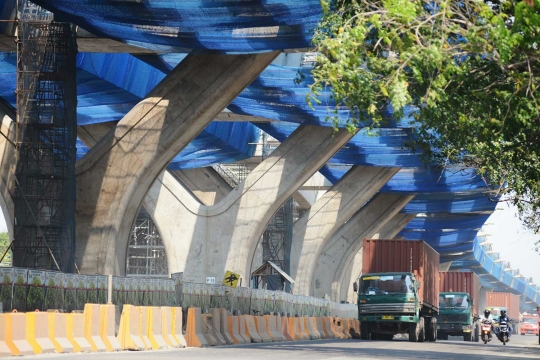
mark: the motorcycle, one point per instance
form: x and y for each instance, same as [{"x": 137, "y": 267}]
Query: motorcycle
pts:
[
  {"x": 486, "y": 332},
  {"x": 503, "y": 332}
]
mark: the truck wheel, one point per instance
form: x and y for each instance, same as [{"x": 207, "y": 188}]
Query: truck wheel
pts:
[
  {"x": 431, "y": 332},
  {"x": 364, "y": 331},
  {"x": 467, "y": 336},
  {"x": 476, "y": 333},
  {"x": 413, "y": 332},
  {"x": 422, "y": 330}
]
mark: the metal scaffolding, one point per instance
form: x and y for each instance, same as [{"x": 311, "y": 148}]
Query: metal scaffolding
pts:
[
  {"x": 46, "y": 134},
  {"x": 146, "y": 253}
]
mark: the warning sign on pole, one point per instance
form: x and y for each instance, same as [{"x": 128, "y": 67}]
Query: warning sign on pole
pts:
[{"x": 231, "y": 279}]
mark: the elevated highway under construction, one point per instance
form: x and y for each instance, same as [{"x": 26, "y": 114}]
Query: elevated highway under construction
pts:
[{"x": 162, "y": 154}]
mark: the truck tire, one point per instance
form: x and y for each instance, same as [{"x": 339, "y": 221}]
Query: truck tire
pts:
[
  {"x": 364, "y": 331},
  {"x": 467, "y": 336},
  {"x": 431, "y": 330},
  {"x": 476, "y": 333},
  {"x": 414, "y": 332},
  {"x": 422, "y": 330}
]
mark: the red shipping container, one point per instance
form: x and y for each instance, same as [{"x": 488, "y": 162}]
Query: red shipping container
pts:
[
  {"x": 507, "y": 300},
  {"x": 469, "y": 282},
  {"x": 414, "y": 256}
]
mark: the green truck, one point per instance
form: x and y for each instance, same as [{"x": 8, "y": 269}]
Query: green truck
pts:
[
  {"x": 458, "y": 306},
  {"x": 398, "y": 290}
]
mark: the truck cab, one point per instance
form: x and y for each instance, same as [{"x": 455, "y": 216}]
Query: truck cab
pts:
[
  {"x": 455, "y": 316},
  {"x": 388, "y": 304}
]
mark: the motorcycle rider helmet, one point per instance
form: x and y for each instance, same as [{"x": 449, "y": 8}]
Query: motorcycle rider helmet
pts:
[
  {"x": 503, "y": 312},
  {"x": 487, "y": 313}
]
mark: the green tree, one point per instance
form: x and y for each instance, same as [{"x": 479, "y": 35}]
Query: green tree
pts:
[
  {"x": 19, "y": 294},
  {"x": 102, "y": 295},
  {"x": 81, "y": 295},
  {"x": 50, "y": 295},
  {"x": 34, "y": 300},
  {"x": 70, "y": 301},
  {"x": 4, "y": 244},
  {"x": 6, "y": 293},
  {"x": 470, "y": 69},
  {"x": 92, "y": 293}
]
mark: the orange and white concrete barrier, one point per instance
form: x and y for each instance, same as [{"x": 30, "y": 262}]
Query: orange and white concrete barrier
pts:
[
  {"x": 194, "y": 329},
  {"x": 4, "y": 349},
  {"x": 215, "y": 324},
  {"x": 58, "y": 333},
  {"x": 154, "y": 328},
  {"x": 320, "y": 328},
  {"x": 15, "y": 334},
  {"x": 209, "y": 330},
  {"x": 92, "y": 314},
  {"x": 75, "y": 333},
  {"x": 167, "y": 327},
  {"x": 234, "y": 330},
  {"x": 327, "y": 327},
  {"x": 242, "y": 329},
  {"x": 272, "y": 329},
  {"x": 107, "y": 327},
  {"x": 129, "y": 333},
  {"x": 312, "y": 326},
  {"x": 285, "y": 328},
  {"x": 251, "y": 329},
  {"x": 293, "y": 329},
  {"x": 177, "y": 327},
  {"x": 37, "y": 332},
  {"x": 260, "y": 323},
  {"x": 304, "y": 328},
  {"x": 224, "y": 326},
  {"x": 143, "y": 313}
]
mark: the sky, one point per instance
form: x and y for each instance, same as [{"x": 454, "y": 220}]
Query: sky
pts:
[{"x": 509, "y": 238}]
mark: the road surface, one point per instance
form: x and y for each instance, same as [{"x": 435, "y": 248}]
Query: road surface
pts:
[{"x": 521, "y": 347}]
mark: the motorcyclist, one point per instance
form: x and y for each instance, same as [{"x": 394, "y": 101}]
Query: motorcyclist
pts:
[
  {"x": 506, "y": 319},
  {"x": 487, "y": 319}
]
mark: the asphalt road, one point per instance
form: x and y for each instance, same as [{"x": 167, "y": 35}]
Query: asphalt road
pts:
[{"x": 521, "y": 347}]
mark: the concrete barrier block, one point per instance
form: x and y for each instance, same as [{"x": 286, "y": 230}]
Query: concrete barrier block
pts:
[
  {"x": 75, "y": 333},
  {"x": 194, "y": 329},
  {"x": 251, "y": 329},
  {"x": 327, "y": 327},
  {"x": 272, "y": 329},
  {"x": 143, "y": 313},
  {"x": 336, "y": 328},
  {"x": 344, "y": 324},
  {"x": 224, "y": 326},
  {"x": 260, "y": 323},
  {"x": 234, "y": 330},
  {"x": 154, "y": 328},
  {"x": 15, "y": 335},
  {"x": 177, "y": 332},
  {"x": 293, "y": 328},
  {"x": 242, "y": 329},
  {"x": 107, "y": 328},
  {"x": 319, "y": 327},
  {"x": 92, "y": 325},
  {"x": 303, "y": 328},
  {"x": 58, "y": 333},
  {"x": 215, "y": 324},
  {"x": 4, "y": 348},
  {"x": 312, "y": 326},
  {"x": 37, "y": 332},
  {"x": 209, "y": 330},
  {"x": 285, "y": 328},
  {"x": 129, "y": 332},
  {"x": 166, "y": 326}
]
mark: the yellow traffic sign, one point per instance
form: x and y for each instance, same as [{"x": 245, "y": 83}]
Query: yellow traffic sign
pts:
[{"x": 231, "y": 279}]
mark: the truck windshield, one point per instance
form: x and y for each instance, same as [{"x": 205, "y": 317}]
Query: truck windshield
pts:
[
  {"x": 385, "y": 284},
  {"x": 453, "y": 301},
  {"x": 530, "y": 320}
]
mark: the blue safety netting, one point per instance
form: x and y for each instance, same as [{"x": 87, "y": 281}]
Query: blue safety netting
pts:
[
  {"x": 440, "y": 237},
  {"x": 229, "y": 26},
  {"x": 519, "y": 285},
  {"x": 433, "y": 203}
]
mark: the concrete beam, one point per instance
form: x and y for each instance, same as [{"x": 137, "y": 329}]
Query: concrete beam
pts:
[
  {"x": 302, "y": 202},
  {"x": 315, "y": 227},
  {"x": 115, "y": 175},
  {"x": 349, "y": 270},
  {"x": 205, "y": 184},
  {"x": 208, "y": 240}
]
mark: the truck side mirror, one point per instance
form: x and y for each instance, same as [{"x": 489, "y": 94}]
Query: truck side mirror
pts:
[
  {"x": 472, "y": 301},
  {"x": 355, "y": 287},
  {"x": 418, "y": 285}
]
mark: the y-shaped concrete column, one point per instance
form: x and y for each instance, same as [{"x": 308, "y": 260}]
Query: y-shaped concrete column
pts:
[
  {"x": 342, "y": 284},
  {"x": 114, "y": 177},
  {"x": 8, "y": 159},
  {"x": 207, "y": 240},
  {"x": 315, "y": 227}
]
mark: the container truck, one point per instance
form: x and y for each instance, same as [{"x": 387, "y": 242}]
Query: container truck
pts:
[
  {"x": 398, "y": 291},
  {"x": 459, "y": 299},
  {"x": 529, "y": 324},
  {"x": 496, "y": 301}
]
